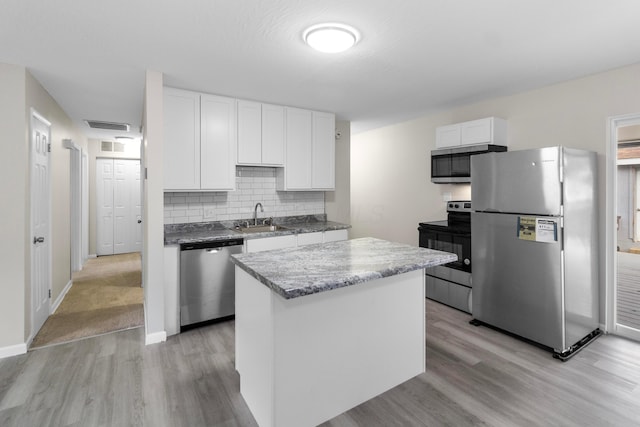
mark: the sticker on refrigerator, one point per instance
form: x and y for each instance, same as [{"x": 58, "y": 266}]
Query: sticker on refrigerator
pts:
[{"x": 537, "y": 229}]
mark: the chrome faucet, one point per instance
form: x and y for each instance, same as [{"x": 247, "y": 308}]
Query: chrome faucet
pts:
[{"x": 255, "y": 213}]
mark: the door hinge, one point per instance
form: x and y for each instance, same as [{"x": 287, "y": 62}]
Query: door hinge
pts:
[
  {"x": 49, "y": 293},
  {"x": 49, "y": 147}
]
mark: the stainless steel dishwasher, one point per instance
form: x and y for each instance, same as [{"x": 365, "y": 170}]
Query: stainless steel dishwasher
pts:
[{"x": 207, "y": 280}]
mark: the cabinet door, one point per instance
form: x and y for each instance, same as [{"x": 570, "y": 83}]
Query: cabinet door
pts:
[
  {"x": 448, "y": 136},
  {"x": 323, "y": 153},
  {"x": 272, "y": 135},
  {"x": 270, "y": 243},
  {"x": 249, "y": 133},
  {"x": 298, "y": 151},
  {"x": 181, "y": 140},
  {"x": 476, "y": 131},
  {"x": 335, "y": 235},
  {"x": 309, "y": 238},
  {"x": 218, "y": 143}
]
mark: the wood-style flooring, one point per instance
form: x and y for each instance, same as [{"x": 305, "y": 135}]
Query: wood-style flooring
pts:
[
  {"x": 628, "y": 292},
  {"x": 475, "y": 376}
]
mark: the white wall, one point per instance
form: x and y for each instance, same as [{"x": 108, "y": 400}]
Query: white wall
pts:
[
  {"x": 153, "y": 234},
  {"x": 338, "y": 202},
  {"x": 390, "y": 183},
  {"x": 14, "y": 184}
]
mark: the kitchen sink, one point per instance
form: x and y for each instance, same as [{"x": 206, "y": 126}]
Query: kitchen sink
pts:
[{"x": 260, "y": 228}]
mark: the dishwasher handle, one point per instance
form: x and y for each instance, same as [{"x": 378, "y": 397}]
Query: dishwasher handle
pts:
[
  {"x": 216, "y": 244},
  {"x": 212, "y": 250}
]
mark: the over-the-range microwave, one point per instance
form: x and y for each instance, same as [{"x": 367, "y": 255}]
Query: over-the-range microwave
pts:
[{"x": 453, "y": 165}]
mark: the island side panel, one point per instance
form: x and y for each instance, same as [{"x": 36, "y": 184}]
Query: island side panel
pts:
[
  {"x": 254, "y": 346},
  {"x": 337, "y": 349}
]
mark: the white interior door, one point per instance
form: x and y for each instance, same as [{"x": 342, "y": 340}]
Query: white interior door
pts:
[
  {"x": 119, "y": 206},
  {"x": 104, "y": 206},
  {"x": 85, "y": 206},
  {"x": 40, "y": 222}
]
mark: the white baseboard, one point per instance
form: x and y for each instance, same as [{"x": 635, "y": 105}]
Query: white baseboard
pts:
[
  {"x": 154, "y": 337},
  {"x": 93, "y": 256},
  {"x": 13, "y": 350},
  {"x": 58, "y": 300}
]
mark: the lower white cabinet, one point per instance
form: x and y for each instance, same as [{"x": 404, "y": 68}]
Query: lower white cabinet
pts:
[
  {"x": 270, "y": 243},
  {"x": 336, "y": 235},
  {"x": 310, "y": 238},
  {"x": 172, "y": 289}
]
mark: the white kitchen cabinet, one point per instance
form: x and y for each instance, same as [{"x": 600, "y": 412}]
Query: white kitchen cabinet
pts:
[
  {"x": 249, "y": 133},
  {"x": 448, "y": 136},
  {"x": 270, "y": 243},
  {"x": 260, "y": 134},
  {"x": 323, "y": 173},
  {"x": 310, "y": 151},
  {"x": 200, "y": 141},
  {"x": 335, "y": 235},
  {"x": 181, "y": 140},
  {"x": 490, "y": 130},
  {"x": 273, "y": 137},
  {"x": 218, "y": 144},
  {"x": 310, "y": 238}
]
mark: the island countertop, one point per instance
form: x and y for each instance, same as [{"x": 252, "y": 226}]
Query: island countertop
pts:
[{"x": 295, "y": 272}]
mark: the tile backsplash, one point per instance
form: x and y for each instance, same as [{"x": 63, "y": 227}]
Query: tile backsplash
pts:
[{"x": 253, "y": 185}]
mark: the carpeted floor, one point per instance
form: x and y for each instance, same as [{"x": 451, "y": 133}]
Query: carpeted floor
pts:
[{"x": 106, "y": 296}]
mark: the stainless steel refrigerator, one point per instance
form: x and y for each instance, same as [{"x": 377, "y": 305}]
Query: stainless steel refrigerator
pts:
[{"x": 534, "y": 245}]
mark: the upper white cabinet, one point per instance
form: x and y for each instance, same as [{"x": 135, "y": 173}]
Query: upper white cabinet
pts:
[
  {"x": 181, "y": 140},
  {"x": 490, "y": 130},
  {"x": 218, "y": 144},
  {"x": 200, "y": 141},
  {"x": 310, "y": 151},
  {"x": 260, "y": 134},
  {"x": 206, "y": 136}
]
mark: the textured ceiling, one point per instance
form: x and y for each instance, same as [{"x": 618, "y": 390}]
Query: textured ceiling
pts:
[{"x": 415, "y": 56}]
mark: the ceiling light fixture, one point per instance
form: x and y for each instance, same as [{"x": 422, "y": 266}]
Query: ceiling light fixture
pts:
[{"x": 331, "y": 38}]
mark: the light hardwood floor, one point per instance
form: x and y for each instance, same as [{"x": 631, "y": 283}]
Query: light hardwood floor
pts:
[{"x": 475, "y": 376}]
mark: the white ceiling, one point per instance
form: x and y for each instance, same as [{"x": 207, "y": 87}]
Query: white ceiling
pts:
[{"x": 414, "y": 57}]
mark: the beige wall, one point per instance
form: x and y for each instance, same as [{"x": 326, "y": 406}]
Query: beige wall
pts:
[
  {"x": 132, "y": 151},
  {"x": 61, "y": 128},
  {"x": 14, "y": 185},
  {"x": 337, "y": 203},
  {"x": 391, "y": 190},
  {"x": 21, "y": 92}
]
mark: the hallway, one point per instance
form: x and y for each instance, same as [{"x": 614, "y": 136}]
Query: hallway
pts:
[{"x": 106, "y": 296}]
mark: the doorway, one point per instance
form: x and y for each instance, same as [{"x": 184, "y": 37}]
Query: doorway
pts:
[
  {"x": 118, "y": 206},
  {"x": 623, "y": 227}
]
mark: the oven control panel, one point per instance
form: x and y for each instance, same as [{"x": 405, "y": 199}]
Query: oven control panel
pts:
[{"x": 459, "y": 206}]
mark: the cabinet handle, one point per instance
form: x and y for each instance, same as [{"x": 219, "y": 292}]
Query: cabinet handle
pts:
[{"x": 38, "y": 240}]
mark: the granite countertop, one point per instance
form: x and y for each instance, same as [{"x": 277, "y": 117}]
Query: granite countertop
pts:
[
  {"x": 295, "y": 272},
  {"x": 176, "y": 234}
]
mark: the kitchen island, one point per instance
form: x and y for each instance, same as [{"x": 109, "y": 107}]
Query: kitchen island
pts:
[{"x": 323, "y": 328}]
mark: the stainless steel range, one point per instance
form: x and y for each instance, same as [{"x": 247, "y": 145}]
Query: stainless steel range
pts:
[{"x": 450, "y": 283}]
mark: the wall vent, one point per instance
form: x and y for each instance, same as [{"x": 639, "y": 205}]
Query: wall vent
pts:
[
  {"x": 106, "y": 146},
  {"x": 118, "y": 147},
  {"x": 95, "y": 124}
]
